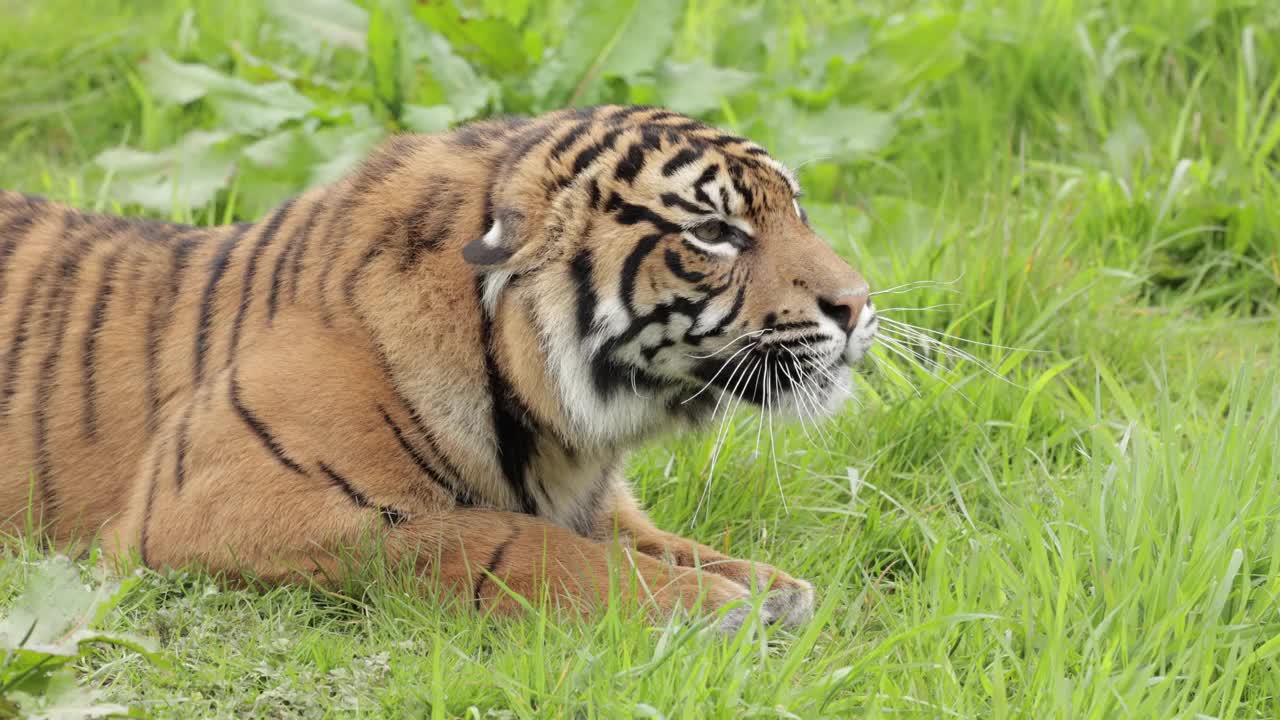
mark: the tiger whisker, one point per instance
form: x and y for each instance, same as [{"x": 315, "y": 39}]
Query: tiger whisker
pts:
[
  {"x": 717, "y": 373},
  {"x": 801, "y": 407},
  {"x": 764, "y": 380},
  {"x": 912, "y": 334},
  {"x": 729, "y": 344},
  {"x": 886, "y": 364},
  {"x": 957, "y": 338},
  {"x": 773, "y": 446},
  {"x": 722, "y": 431},
  {"x": 924, "y": 364},
  {"x": 918, "y": 284},
  {"x": 926, "y": 308}
]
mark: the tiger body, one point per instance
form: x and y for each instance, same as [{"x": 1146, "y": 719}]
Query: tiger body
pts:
[{"x": 455, "y": 348}]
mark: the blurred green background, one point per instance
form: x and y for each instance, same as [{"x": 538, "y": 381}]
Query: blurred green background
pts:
[{"x": 1078, "y": 520}]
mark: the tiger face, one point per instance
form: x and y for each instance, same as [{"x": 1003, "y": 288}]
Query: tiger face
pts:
[{"x": 669, "y": 268}]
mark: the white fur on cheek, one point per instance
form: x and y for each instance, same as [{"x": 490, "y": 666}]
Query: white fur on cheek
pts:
[{"x": 494, "y": 282}]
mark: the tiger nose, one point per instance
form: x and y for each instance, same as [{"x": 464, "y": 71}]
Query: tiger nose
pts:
[{"x": 845, "y": 309}]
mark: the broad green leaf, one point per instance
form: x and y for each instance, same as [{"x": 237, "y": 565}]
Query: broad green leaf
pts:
[
  {"x": 513, "y": 11},
  {"x": 606, "y": 39},
  {"x": 836, "y": 133},
  {"x": 698, "y": 87},
  {"x": 189, "y": 174},
  {"x": 384, "y": 53},
  {"x": 316, "y": 24},
  {"x": 433, "y": 119},
  {"x": 344, "y": 148},
  {"x": 459, "y": 85},
  {"x": 53, "y": 614},
  {"x": 494, "y": 42},
  {"x": 242, "y": 106}
]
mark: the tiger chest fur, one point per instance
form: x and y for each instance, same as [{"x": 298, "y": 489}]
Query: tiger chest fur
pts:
[{"x": 453, "y": 348}]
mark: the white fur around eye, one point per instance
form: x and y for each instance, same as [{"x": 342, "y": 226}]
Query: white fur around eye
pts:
[{"x": 722, "y": 249}]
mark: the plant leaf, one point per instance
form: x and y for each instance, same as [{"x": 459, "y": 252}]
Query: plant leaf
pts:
[
  {"x": 189, "y": 174},
  {"x": 840, "y": 133},
  {"x": 313, "y": 25},
  {"x": 606, "y": 39},
  {"x": 241, "y": 105},
  {"x": 698, "y": 87},
  {"x": 427, "y": 119}
]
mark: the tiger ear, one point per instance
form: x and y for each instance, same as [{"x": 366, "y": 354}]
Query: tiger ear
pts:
[{"x": 499, "y": 244}]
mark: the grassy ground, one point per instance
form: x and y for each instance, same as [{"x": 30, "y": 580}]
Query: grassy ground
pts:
[{"x": 1095, "y": 535}]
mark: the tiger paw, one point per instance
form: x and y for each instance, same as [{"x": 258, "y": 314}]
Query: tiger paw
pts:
[{"x": 787, "y": 602}]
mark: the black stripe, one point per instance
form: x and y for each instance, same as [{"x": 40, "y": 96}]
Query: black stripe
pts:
[
  {"x": 630, "y": 214},
  {"x": 389, "y": 515},
  {"x": 581, "y": 269},
  {"x": 89, "y": 353},
  {"x": 13, "y": 232},
  {"x": 738, "y": 301},
  {"x": 217, "y": 267},
  {"x": 516, "y": 443},
  {"x": 584, "y": 518},
  {"x": 593, "y": 193},
  {"x": 610, "y": 375},
  {"x": 723, "y": 140},
  {"x": 431, "y": 228},
  {"x": 585, "y": 158},
  {"x": 676, "y": 266},
  {"x": 707, "y": 176},
  {"x": 260, "y": 429},
  {"x": 631, "y": 269},
  {"x": 674, "y": 200},
  {"x": 631, "y": 164},
  {"x": 495, "y": 561},
  {"x": 313, "y": 227},
  {"x": 62, "y": 290},
  {"x": 619, "y": 116},
  {"x": 686, "y": 156},
  {"x": 180, "y": 454},
  {"x": 460, "y": 496},
  {"x": 568, "y": 139},
  {"x": 799, "y": 325},
  {"x": 251, "y": 269},
  {"x": 735, "y": 176},
  {"x": 664, "y": 115},
  {"x": 13, "y": 360},
  {"x": 353, "y": 277},
  {"x": 689, "y": 126},
  {"x": 159, "y": 321},
  {"x": 652, "y": 351},
  {"x": 150, "y": 503},
  {"x": 426, "y": 434},
  {"x": 756, "y": 151},
  {"x": 291, "y": 248}
]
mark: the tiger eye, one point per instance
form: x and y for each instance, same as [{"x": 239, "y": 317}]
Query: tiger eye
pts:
[{"x": 710, "y": 232}]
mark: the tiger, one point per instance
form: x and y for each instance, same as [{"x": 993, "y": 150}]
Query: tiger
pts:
[{"x": 452, "y": 349}]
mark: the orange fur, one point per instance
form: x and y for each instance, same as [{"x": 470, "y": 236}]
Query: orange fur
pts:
[{"x": 455, "y": 346}]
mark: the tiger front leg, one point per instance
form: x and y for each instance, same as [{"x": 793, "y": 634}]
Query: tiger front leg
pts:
[
  {"x": 230, "y": 486},
  {"x": 788, "y": 600}
]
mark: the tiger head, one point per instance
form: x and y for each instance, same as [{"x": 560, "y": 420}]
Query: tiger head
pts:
[{"x": 668, "y": 269}]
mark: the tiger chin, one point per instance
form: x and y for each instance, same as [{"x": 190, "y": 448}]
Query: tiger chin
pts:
[{"x": 455, "y": 347}]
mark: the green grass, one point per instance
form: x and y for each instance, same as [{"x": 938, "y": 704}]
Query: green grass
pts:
[{"x": 1096, "y": 535}]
